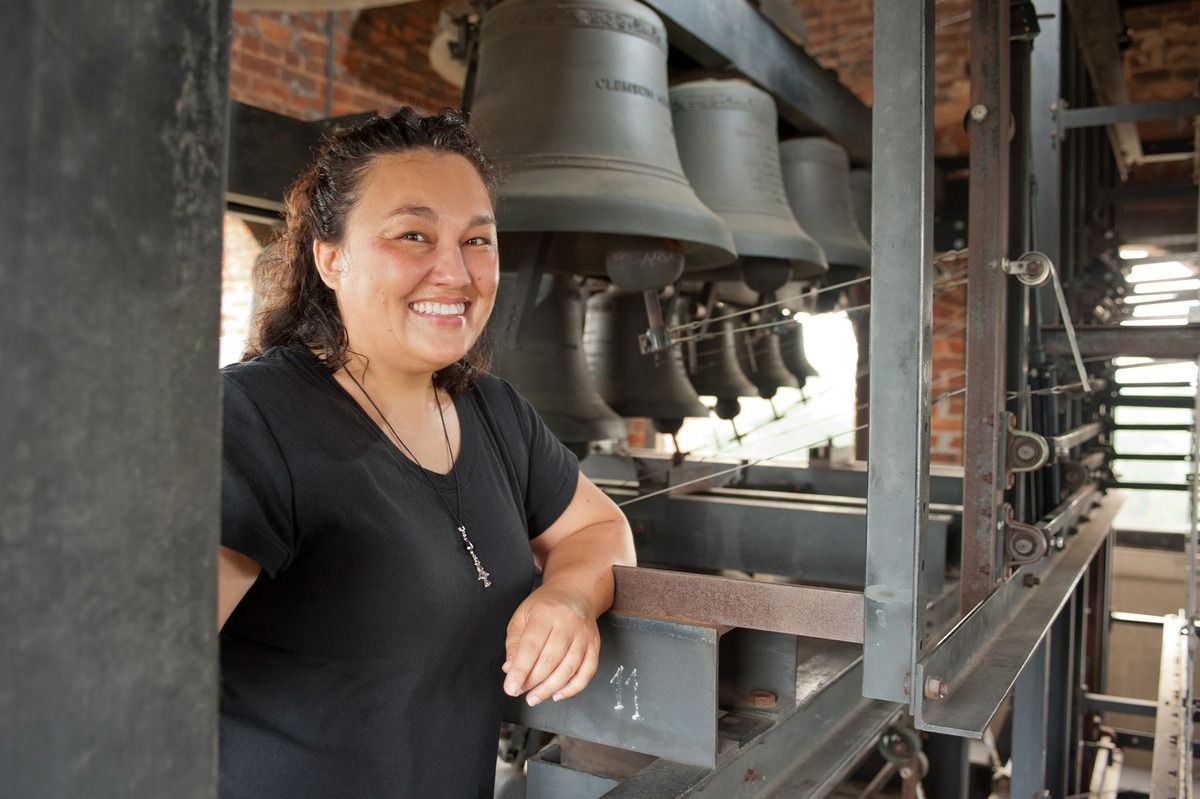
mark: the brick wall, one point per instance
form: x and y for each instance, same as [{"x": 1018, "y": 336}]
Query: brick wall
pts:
[
  {"x": 841, "y": 36},
  {"x": 378, "y": 59},
  {"x": 949, "y": 360},
  {"x": 1163, "y": 61}
]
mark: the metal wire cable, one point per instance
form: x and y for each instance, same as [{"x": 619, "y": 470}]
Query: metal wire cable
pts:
[
  {"x": 948, "y": 255},
  {"x": 766, "y": 458}
]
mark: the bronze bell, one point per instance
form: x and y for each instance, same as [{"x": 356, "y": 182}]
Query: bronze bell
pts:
[
  {"x": 571, "y": 102},
  {"x": 654, "y": 385},
  {"x": 760, "y": 358},
  {"x": 791, "y": 349},
  {"x": 546, "y": 363},
  {"x": 712, "y": 365},
  {"x": 860, "y": 200},
  {"x": 727, "y": 136},
  {"x": 816, "y": 174}
]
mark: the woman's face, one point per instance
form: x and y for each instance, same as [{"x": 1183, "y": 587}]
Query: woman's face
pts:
[{"x": 417, "y": 268}]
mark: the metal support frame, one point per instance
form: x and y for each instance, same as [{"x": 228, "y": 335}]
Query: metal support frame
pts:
[
  {"x": 725, "y": 35},
  {"x": 1171, "y": 766},
  {"x": 1130, "y": 112},
  {"x": 804, "y": 751},
  {"x": 820, "y": 543},
  {"x": 984, "y": 425},
  {"x": 794, "y": 609},
  {"x": 1097, "y": 24},
  {"x": 847, "y": 480},
  {"x": 655, "y": 691},
  {"x": 1182, "y": 341},
  {"x": 901, "y": 332},
  {"x": 1046, "y": 139},
  {"x": 1031, "y": 700},
  {"x": 979, "y": 661}
]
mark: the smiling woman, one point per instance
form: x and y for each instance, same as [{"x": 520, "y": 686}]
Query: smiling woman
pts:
[{"x": 385, "y": 501}]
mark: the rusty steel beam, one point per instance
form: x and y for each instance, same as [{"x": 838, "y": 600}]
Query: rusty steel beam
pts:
[
  {"x": 1181, "y": 341},
  {"x": 826, "y": 613},
  {"x": 983, "y": 425}
]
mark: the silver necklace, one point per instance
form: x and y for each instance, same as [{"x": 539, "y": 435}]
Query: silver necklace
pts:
[{"x": 482, "y": 575}]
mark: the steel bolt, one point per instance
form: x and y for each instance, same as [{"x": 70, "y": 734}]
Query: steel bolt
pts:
[
  {"x": 750, "y": 775},
  {"x": 763, "y": 699},
  {"x": 936, "y": 688},
  {"x": 1022, "y": 547},
  {"x": 979, "y": 112},
  {"x": 1031, "y": 580}
]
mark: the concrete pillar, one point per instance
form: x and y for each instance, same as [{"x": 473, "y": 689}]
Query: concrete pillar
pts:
[{"x": 112, "y": 154}]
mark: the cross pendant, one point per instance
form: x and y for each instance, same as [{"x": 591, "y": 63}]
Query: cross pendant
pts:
[{"x": 482, "y": 575}]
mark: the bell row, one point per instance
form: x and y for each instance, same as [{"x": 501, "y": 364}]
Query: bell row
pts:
[
  {"x": 641, "y": 182},
  {"x": 576, "y": 359}
]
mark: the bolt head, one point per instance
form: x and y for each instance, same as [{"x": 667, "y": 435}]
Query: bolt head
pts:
[
  {"x": 979, "y": 112},
  {"x": 763, "y": 699},
  {"x": 936, "y": 688},
  {"x": 1022, "y": 547}
]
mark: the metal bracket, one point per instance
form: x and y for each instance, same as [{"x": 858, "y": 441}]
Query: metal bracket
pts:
[
  {"x": 1023, "y": 543},
  {"x": 1026, "y": 451},
  {"x": 1033, "y": 268}
]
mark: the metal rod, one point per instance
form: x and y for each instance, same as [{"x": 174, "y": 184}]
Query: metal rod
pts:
[
  {"x": 901, "y": 348},
  {"x": 1068, "y": 441}
]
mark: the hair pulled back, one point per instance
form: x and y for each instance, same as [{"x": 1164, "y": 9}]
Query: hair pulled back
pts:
[{"x": 296, "y": 307}]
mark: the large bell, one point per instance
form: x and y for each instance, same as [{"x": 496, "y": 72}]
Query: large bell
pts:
[
  {"x": 546, "y": 363},
  {"x": 727, "y": 136},
  {"x": 654, "y": 385},
  {"x": 571, "y": 102},
  {"x": 712, "y": 365},
  {"x": 816, "y": 175},
  {"x": 791, "y": 349},
  {"x": 860, "y": 200},
  {"x": 758, "y": 353}
]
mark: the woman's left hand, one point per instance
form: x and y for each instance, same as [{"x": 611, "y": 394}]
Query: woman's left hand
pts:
[{"x": 553, "y": 645}]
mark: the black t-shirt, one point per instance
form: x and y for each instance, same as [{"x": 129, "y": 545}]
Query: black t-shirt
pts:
[{"x": 365, "y": 660}]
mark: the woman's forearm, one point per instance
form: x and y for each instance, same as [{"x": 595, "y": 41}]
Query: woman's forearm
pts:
[{"x": 582, "y": 563}]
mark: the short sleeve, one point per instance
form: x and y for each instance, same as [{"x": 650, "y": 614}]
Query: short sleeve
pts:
[
  {"x": 553, "y": 469},
  {"x": 256, "y": 487}
]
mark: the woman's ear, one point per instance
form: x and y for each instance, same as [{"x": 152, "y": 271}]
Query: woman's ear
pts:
[{"x": 329, "y": 261}]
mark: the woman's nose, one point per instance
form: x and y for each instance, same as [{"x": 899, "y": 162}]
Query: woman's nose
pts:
[{"x": 450, "y": 268}]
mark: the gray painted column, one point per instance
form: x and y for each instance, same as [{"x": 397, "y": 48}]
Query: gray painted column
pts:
[
  {"x": 112, "y": 165},
  {"x": 1045, "y": 146},
  {"x": 1029, "y": 725},
  {"x": 901, "y": 319}
]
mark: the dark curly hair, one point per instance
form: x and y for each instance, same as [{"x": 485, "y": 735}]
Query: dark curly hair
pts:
[{"x": 296, "y": 307}]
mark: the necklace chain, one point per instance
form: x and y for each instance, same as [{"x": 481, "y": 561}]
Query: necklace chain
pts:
[{"x": 481, "y": 575}]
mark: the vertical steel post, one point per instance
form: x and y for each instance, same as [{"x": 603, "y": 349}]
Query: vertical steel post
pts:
[
  {"x": 1059, "y": 707},
  {"x": 902, "y": 272},
  {"x": 1045, "y": 147},
  {"x": 112, "y": 163},
  {"x": 984, "y": 425},
  {"x": 1030, "y": 704}
]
